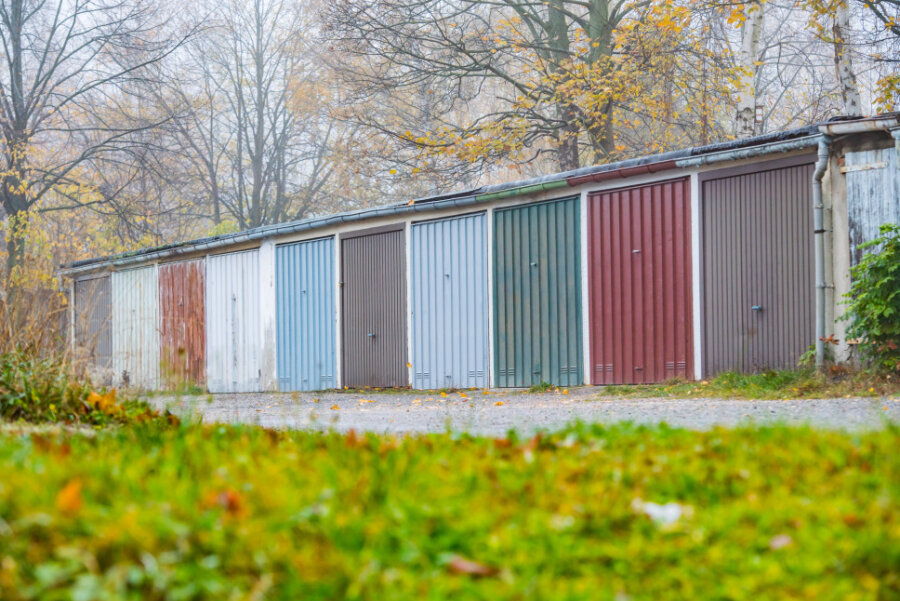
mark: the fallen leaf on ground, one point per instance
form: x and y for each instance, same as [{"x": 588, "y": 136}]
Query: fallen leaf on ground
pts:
[
  {"x": 68, "y": 500},
  {"x": 498, "y": 403},
  {"x": 335, "y": 407},
  {"x": 780, "y": 541},
  {"x": 461, "y": 565}
]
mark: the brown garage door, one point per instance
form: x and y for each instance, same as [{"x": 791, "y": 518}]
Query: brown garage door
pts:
[
  {"x": 640, "y": 283},
  {"x": 373, "y": 309},
  {"x": 758, "y": 279}
]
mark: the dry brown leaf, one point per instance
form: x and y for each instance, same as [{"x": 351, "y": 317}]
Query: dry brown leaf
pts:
[{"x": 461, "y": 565}]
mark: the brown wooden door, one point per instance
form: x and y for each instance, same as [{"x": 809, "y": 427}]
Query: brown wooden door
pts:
[{"x": 373, "y": 309}]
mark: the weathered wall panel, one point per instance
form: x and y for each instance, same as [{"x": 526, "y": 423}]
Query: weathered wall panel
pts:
[
  {"x": 135, "y": 321},
  {"x": 305, "y": 329},
  {"x": 537, "y": 295},
  {"x": 233, "y": 338},
  {"x": 758, "y": 272},
  {"x": 93, "y": 325},
  {"x": 182, "y": 320},
  {"x": 873, "y": 194},
  {"x": 449, "y": 327},
  {"x": 373, "y": 308},
  {"x": 640, "y": 283}
]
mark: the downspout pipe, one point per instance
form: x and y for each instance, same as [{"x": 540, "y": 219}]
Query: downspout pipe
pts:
[{"x": 824, "y": 154}]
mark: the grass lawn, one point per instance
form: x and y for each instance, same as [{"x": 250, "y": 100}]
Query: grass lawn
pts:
[
  {"x": 191, "y": 512},
  {"x": 788, "y": 384}
]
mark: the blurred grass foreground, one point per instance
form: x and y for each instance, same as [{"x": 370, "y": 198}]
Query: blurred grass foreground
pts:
[{"x": 180, "y": 511}]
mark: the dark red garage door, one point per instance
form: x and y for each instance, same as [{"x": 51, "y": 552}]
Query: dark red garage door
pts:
[{"x": 640, "y": 283}]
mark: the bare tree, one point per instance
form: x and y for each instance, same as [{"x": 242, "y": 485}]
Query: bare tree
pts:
[
  {"x": 250, "y": 120},
  {"x": 68, "y": 66}
]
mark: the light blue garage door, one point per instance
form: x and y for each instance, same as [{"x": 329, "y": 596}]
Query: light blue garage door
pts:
[{"x": 306, "y": 315}]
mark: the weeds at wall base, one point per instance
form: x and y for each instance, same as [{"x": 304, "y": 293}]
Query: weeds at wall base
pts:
[{"x": 806, "y": 383}]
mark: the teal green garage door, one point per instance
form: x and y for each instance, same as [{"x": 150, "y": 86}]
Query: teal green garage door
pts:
[{"x": 537, "y": 294}]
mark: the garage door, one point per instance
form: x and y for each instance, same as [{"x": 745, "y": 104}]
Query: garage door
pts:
[
  {"x": 448, "y": 263},
  {"x": 758, "y": 276},
  {"x": 537, "y": 294},
  {"x": 640, "y": 283},
  {"x": 373, "y": 308},
  {"x": 182, "y": 320},
  {"x": 233, "y": 338},
  {"x": 305, "y": 297}
]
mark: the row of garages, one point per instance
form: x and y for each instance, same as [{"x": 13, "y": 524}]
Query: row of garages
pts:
[{"x": 628, "y": 281}]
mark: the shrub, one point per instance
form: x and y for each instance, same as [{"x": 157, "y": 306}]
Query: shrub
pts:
[
  {"x": 874, "y": 300},
  {"x": 41, "y": 389}
]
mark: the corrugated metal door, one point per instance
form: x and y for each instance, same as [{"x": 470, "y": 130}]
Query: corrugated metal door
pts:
[
  {"x": 449, "y": 300},
  {"x": 537, "y": 294},
  {"x": 640, "y": 283},
  {"x": 304, "y": 285},
  {"x": 873, "y": 194},
  {"x": 182, "y": 321},
  {"x": 93, "y": 328},
  {"x": 135, "y": 320},
  {"x": 758, "y": 273},
  {"x": 233, "y": 337},
  {"x": 373, "y": 309}
]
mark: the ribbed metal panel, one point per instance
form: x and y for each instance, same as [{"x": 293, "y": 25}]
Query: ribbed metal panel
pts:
[
  {"x": 135, "y": 321},
  {"x": 873, "y": 194},
  {"x": 537, "y": 294},
  {"x": 758, "y": 272},
  {"x": 448, "y": 276},
  {"x": 93, "y": 327},
  {"x": 182, "y": 321},
  {"x": 304, "y": 285},
  {"x": 640, "y": 283},
  {"x": 233, "y": 338},
  {"x": 373, "y": 308}
]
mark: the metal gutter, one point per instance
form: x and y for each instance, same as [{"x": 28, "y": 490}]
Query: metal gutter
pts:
[
  {"x": 523, "y": 190},
  {"x": 750, "y": 152},
  {"x": 623, "y": 172},
  {"x": 886, "y": 123}
]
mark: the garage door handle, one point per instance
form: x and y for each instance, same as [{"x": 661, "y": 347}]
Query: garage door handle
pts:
[{"x": 756, "y": 307}]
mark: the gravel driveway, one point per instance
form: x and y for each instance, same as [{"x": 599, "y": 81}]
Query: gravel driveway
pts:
[{"x": 497, "y": 411}]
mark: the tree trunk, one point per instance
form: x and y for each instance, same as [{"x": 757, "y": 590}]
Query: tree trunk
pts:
[
  {"x": 745, "y": 117},
  {"x": 843, "y": 63}
]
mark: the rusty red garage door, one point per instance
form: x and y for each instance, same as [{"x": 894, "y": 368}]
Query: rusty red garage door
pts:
[
  {"x": 182, "y": 321},
  {"x": 639, "y": 246}
]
